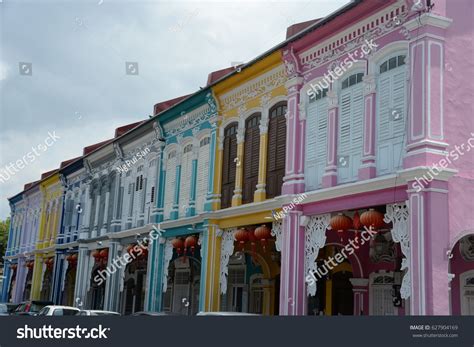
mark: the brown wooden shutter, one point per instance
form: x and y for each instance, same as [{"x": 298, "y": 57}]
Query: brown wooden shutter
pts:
[
  {"x": 228, "y": 164},
  {"x": 276, "y": 150},
  {"x": 251, "y": 157}
]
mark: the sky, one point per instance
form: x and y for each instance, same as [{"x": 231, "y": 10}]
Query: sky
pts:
[{"x": 63, "y": 78}]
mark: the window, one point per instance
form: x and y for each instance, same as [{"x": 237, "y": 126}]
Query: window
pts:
[
  {"x": 228, "y": 164},
  {"x": 152, "y": 194},
  {"x": 391, "y": 114},
  {"x": 276, "y": 155},
  {"x": 170, "y": 184},
  {"x": 251, "y": 157},
  {"x": 319, "y": 95},
  {"x": 350, "y": 137},
  {"x": 204, "y": 142},
  {"x": 202, "y": 173},
  {"x": 186, "y": 178},
  {"x": 188, "y": 148},
  {"x": 381, "y": 301},
  {"x": 172, "y": 154},
  {"x": 316, "y": 141}
]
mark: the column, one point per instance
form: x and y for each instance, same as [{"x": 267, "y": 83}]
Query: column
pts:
[
  {"x": 6, "y": 280},
  {"x": 293, "y": 182},
  {"x": 57, "y": 276},
  {"x": 103, "y": 230},
  {"x": 155, "y": 209},
  {"x": 37, "y": 277},
  {"x": 82, "y": 276},
  {"x": 96, "y": 212},
  {"x": 429, "y": 244},
  {"x": 426, "y": 137},
  {"x": 216, "y": 186},
  {"x": 155, "y": 274},
  {"x": 260, "y": 193},
  {"x": 360, "y": 288},
  {"x": 161, "y": 189},
  {"x": 175, "y": 209},
  {"x": 192, "y": 196},
  {"x": 116, "y": 217},
  {"x": 368, "y": 168},
  {"x": 239, "y": 169},
  {"x": 112, "y": 284},
  {"x": 330, "y": 174},
  {"x": 87, "y": 212},
  {"x": 213, "y": 196}
]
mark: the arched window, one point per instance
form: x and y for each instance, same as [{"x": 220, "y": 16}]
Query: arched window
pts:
[
  {"x": 391, "y": 114},
  {"x": 228, "y": 164},
  {"x": 316, "y": 140},
  {"x": 351, "y": 124},
  {"x": 251, "y": 157},
  {"x": 276, "y": 150},
  {"x": 202, "y": 173},
  {"x": 186, "y": 177}
]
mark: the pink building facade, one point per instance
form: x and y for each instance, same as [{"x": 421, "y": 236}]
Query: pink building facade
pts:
[{"x": 380, "y": 125}]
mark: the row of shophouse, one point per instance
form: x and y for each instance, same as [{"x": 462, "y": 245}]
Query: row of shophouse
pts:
[{"x": 259, "y": 178}]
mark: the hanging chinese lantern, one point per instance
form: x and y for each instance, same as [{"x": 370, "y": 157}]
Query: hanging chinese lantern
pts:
[
  {"x": 74, "y": 257},
  {"x": 95, "y": 254},
  {"x": 252, "y": 239},
  {"x": 68, "y": 258},
  {"x": 178, "y": 244},
  {"x": 372, "y": 219},
  {"x": 241, "y": 236},
  {"x": 104, "y": 253},
  {"x": 356, "y": 224},
  {"x": 263, "y": 233},
  {"x": 340, "y": 223},
  {"x": 190, "y": 243},
  {"x": 130, "y": 248}
]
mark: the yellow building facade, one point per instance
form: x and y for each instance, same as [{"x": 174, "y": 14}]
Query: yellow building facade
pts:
[
  {"x": 252, "y": 108},
  {"x": 50, "y": 220}
]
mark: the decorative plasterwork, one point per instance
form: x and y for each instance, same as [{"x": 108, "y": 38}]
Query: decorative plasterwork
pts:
[
  {"x": 369, "y": 84},
  {"x": 167, "y": 255},
  {"x": 315, "y": 239},
  {"x": 398, "y": 215},
  {"x": 254, "y": 88},
  {"x": 276, "y": 231},
  {"x": 466, "y": 248},
  {"x": 189, "y": 120},
  {"x": 227, "y": 249},
  {"x": 369, "y": 29}
]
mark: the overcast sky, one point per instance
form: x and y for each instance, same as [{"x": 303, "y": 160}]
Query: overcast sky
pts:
[{"x": 77, "y": 86}]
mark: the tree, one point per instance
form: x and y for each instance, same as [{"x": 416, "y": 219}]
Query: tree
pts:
[{"x": 4, "y": 227}]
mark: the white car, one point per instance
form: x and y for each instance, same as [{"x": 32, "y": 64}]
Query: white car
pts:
[
  {"x": 97, "y": 313},
  {"x": 52, "y": 310}
]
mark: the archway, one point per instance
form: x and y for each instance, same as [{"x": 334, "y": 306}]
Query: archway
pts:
[
  {"x": 97, "y": 290},
  {"x": 461, "y": 266}
]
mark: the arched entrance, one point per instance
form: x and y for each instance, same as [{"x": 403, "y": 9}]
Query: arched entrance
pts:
[
  {"x": 133, "y": 294},
  {"x": 97, "y": 290},
  {"x": 46, "y": 285},
  {"x": 184, "y": 280},
  {"x": 28, "y": 280},
  {"x": 462, "y": 272},
  {"x": 334, "y": 294},
  {"x": 69, "y": 282}
]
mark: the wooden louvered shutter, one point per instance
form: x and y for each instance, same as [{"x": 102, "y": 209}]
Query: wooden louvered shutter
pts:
[
  {"x": 276, "y": 150},
  {"x": 228, "y": 165},
  {"x": 391, "y": 119},
  {"x": 316, "y": 143},
  {"x": 350, "y": 138},
  {"x": 251, "y": 157}
]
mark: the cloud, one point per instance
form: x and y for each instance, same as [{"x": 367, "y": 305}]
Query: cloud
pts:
[{"x": 78, "y": 86}]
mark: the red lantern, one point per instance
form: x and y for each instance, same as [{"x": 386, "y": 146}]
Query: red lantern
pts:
[
  {"x": 130, "y": 248},
  {"x": 372, "y": 218},
  {"x": 74, "y": 257},
  {"x": 190, "y": 243},
  {"x": 356, "y": 224},
  {"x": 340, "y": 223},
  {"x": 68, "y": 258},
  {"x": 104, "y": 253},
  {"x": 263, "y": 233},
  {"x": 241, "y": 236},
  {"x": 178, "y": 244},
  {"x": 253, "y": 239},
  {"x": 95, "y": 253}
]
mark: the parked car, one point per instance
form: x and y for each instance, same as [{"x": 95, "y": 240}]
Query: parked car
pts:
[
  {"x": 53, "y": 310},
  {"x": 226, "y": 314},
  {"x": 149, "y": 313},
  {"x": 31, "y": 307},
  {"x": 97, "y": 313},
  {"x": 6, "y": 308}
]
